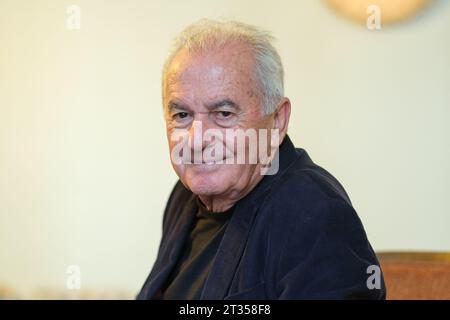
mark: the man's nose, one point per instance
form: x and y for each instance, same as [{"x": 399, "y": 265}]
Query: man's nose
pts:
[
  {"x": 196, "y": 136},
  {"x": 197, "y": 131}
]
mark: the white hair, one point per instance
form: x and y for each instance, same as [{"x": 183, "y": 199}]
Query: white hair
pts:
[{"x": 206, "y": 35}]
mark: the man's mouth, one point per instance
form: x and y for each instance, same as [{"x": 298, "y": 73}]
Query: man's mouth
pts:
[{"x": 207, "y": 163}]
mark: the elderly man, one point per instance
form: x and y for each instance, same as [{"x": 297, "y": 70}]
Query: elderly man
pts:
[{"x": 275, "y": 226}]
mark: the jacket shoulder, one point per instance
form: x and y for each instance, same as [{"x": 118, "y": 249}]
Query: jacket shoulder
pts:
[
  {"x": 307, "y": 186},
  {"x": 318, "y": 245}
]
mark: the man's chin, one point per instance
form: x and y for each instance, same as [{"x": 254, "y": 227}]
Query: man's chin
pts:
[
  {"x": 203, "y": 188},
  {"x": 204, "y": 184}
]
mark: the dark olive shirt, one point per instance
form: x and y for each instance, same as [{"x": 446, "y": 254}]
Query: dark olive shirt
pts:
[{"x": 187, "y": 280}]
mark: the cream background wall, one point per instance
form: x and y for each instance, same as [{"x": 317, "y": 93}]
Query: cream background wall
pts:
[{"x": 84, "y": 168}]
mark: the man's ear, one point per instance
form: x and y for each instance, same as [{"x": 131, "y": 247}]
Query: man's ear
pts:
[{"x": 281, "y": 117}]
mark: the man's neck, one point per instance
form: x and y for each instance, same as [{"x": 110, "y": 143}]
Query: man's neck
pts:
[{"x": 221, "y": 203}]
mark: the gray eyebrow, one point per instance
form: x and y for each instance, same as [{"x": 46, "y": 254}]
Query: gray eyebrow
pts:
[
  {"x": 176, "y": 105},
  {"x": 222, "y": 103},
  {"x": 211, "y": 106}
]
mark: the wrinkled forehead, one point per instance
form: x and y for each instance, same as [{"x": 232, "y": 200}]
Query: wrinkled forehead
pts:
[{"x": 230, "y": 68}]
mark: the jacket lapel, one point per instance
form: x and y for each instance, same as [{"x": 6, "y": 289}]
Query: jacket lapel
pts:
[
  {"x": 229, "y": 252},
  {"x": 171, "y": 250},
  {"x": 235, "y": 238}
]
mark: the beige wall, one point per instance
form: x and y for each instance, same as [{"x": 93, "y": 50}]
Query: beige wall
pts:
[{"x": 84, "y": 169}]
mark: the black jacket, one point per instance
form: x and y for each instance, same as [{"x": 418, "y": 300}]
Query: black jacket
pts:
[{"x": 294, "y": 236}]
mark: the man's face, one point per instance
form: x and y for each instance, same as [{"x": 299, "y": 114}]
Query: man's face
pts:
[{"x": 215, "y": 90}]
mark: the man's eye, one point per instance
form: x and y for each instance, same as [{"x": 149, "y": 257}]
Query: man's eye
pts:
[
  {"x": 181, "y": 115},
  {"x": 224, "y": 114}
]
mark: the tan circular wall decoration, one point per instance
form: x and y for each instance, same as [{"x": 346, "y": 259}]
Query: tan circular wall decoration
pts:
[{"x": 391, "y": 10}]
